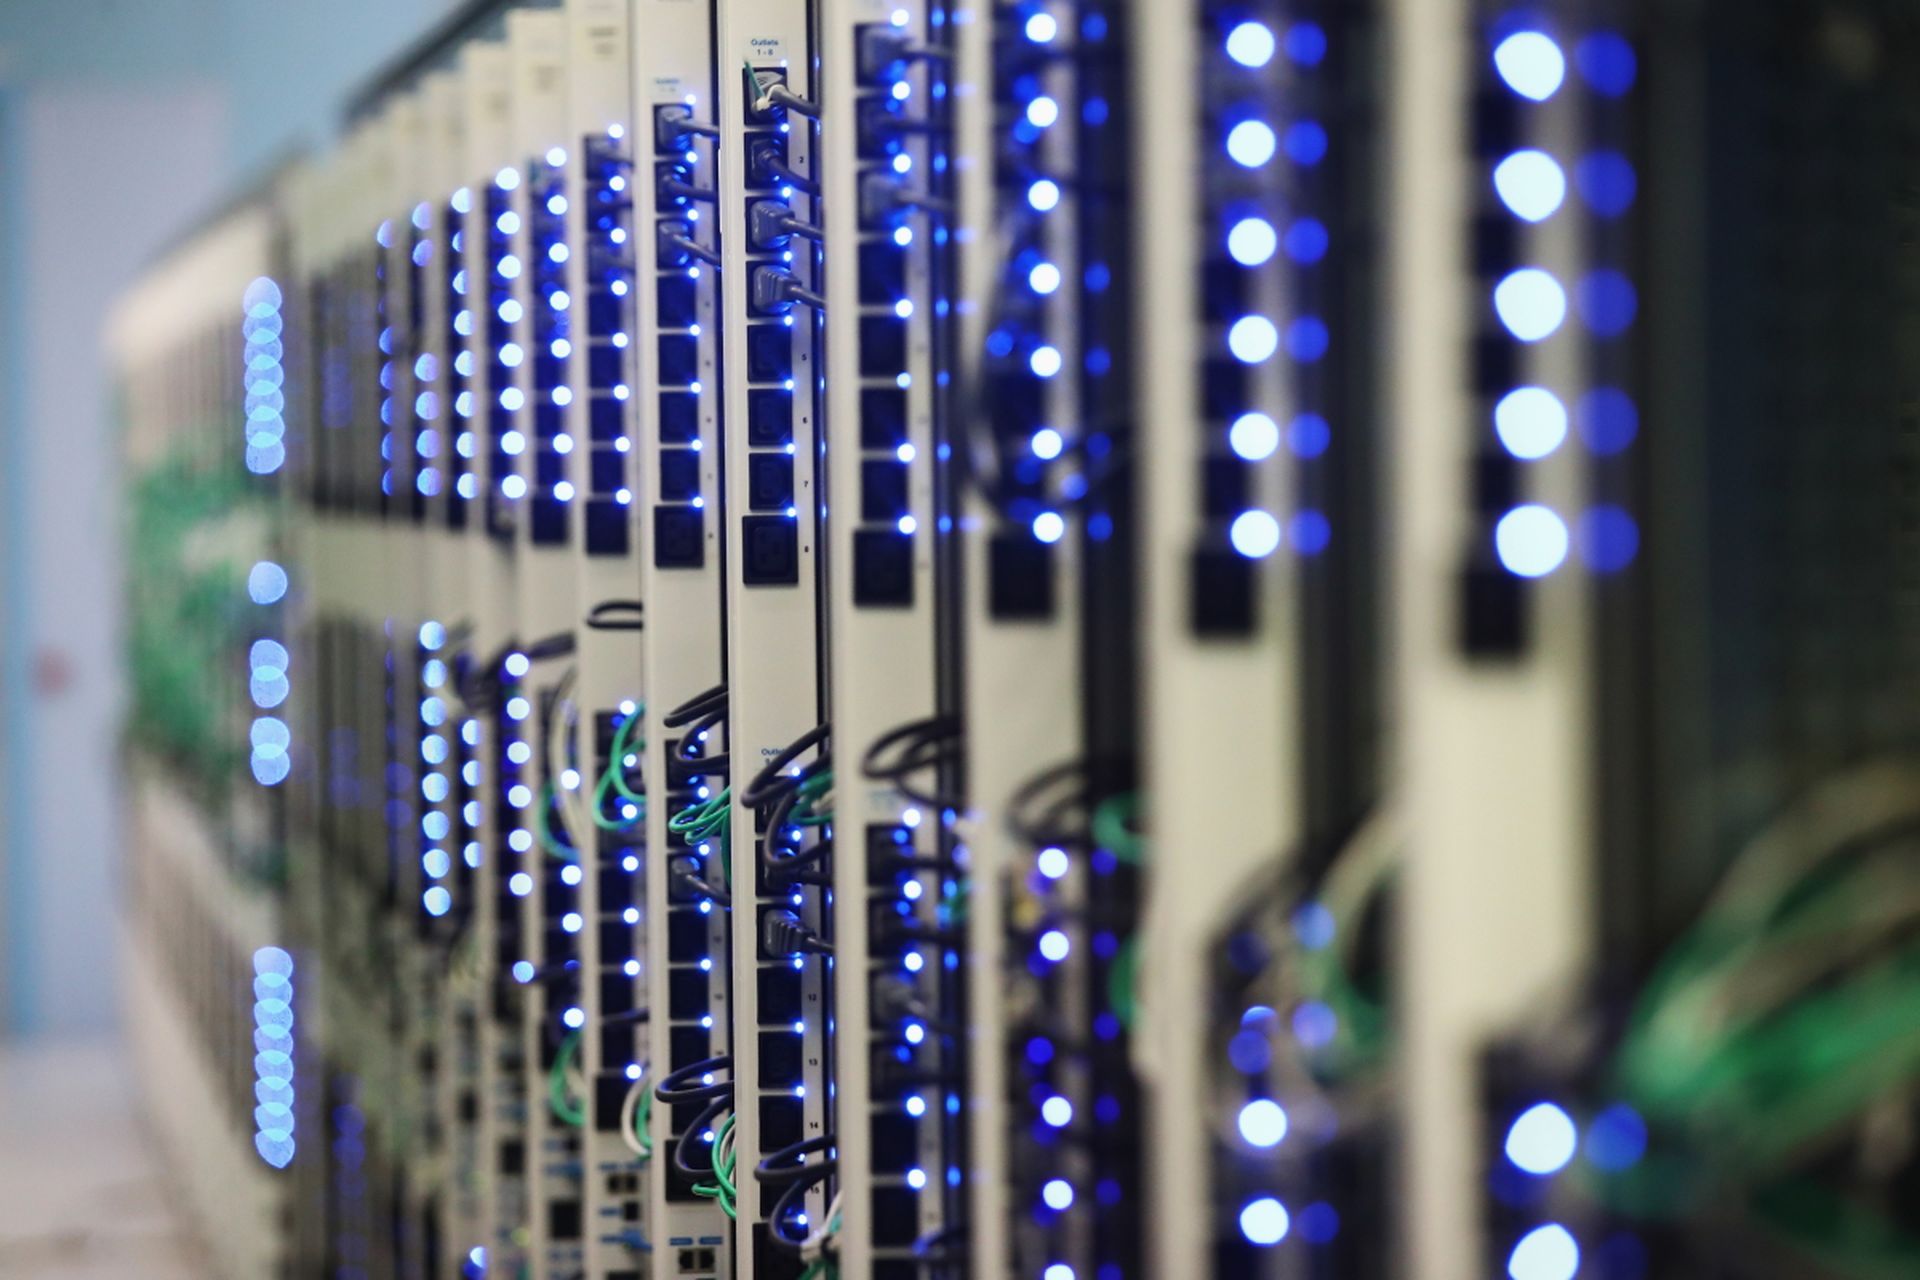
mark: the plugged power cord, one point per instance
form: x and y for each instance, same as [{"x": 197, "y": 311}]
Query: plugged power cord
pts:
[
  {"x": 774, "y": 290},
  {"x": 771, "y": 222},
  {"x": 883, "y": 199},
  {"x": 784, "y": 935},
  {"x": 767, "y": 166},
  {"x": 676, "y": 245},
  {"x": 674, "y": 122},
  {"x": 767, "y": 90},
  {"x": 882, "y": 52}
]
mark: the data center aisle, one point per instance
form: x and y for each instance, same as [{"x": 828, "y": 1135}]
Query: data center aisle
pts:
[{"x": 71, "y": 1142}]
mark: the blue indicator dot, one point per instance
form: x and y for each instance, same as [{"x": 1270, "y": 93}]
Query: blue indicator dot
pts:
[
  {"x": 1609, "y": 539},
  {"x": 274, "y": 961},
  {"x": 1249, "y": 1052},
  {"x": 1306, "y": 43},
  {"x": 276, "y": 1149},
  {"x": 1308, "y": 435},
  {"x": 262, "y": 297},
  {"x": 1306, "y": 241},
  {"x": 1608, "y": 302},
  {"x": 1617, "y": 1138},
  {"x": 1607, "y": 62},
  {"x": 266, "y": 583},
  {"x": 1319, "y": 1222},
  {"x": 1314, "y": 926},
  {"x": 1306, "y": 142},
  {"x": 1607, "y": 182},
  {"x": 1315, "y": 1024},
  {"x": 1309, "y": 532},
  {"x": 1307, "y": 339},
  {"x": 1608, "y": 420}
]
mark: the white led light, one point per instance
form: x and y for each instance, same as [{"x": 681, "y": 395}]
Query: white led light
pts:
[
  {"x": 1530, "y": 303},
  {"x": 1530, "y": 421},
  {"x": 1045, "y": 361},
  {"x": 1251, "y": 44},
  {"x": 1253, "y": 339},
  {"x": 1254, "y": 436},
  {"x": 1251, "y": 143},
  {"x": 1042, "y": 28},
  {"x": 1054, "y": 945},
  {"x": 1531, "y": 184},
  {"x": 1252, "y": 241},
  {"x": 1048, "y": 526},
  {"x": 1044, "y": 278},
  {"x": 1057, "y": 1111},
  {"x": 1255, "y": 534},
  {"x": 1057, "y": 1193},
  {"x": 1044, "y": 195},
  {"x": 1042, "y": 112},
  {"x": 1264, "y": 1221},
  {"x": 1531, "y": 64},
  {"x": 1542, "y": 1139},
  {"x": 1530, "y": 540},
  {"x": 1263, "y": 1123},
  {"x": 1052, "y": 863},
  {"x": 1545, "y": 1253}
]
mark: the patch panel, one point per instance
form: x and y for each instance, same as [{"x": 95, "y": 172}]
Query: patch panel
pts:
[
  {"x": 887, "y": 202},
  {"x": 779, "y": 1130},
  {"x": 501, "y": 1101},
  {"x": 1508, "y": 648},
  {"x": 609, "y": 794},
  {"x": 678, "y": 446}
]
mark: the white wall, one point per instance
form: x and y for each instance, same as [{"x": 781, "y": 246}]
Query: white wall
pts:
[
  {"x": 120, "y": 122},
  {"x": 113, "y": 172}
]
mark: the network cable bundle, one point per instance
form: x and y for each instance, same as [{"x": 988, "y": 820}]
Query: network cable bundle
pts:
[{"x": 1044, "y": 639}]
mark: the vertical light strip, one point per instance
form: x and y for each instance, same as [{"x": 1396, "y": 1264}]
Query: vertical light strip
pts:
[{"x": 273, "y": 1056}]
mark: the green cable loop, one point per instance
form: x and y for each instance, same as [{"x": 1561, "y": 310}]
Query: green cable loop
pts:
[
  {"x": 543, "y": 826},
  {"x": 1121, "y": 975},
  {"x": 721, "y": 1190},
  {"x": 618, "y": 752},
  {"x": 1113, "y": 828},
  {"x": 709, "y": 819},
  {"x": 565, "y": 1109}
]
